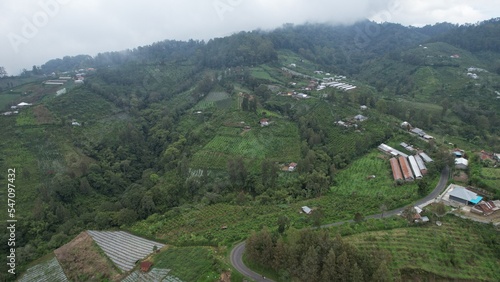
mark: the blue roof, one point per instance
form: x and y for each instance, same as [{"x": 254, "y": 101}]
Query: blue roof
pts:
[{"x": 476, "y": 200}]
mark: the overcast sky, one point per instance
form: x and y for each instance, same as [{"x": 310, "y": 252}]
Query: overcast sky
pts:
[{"x": 35, "y": 31}]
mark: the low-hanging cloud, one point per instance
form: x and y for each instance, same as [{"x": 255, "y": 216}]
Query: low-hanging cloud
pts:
[{"x": 35, "y": 31}]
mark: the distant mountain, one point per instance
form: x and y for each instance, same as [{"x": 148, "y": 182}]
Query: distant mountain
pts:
[{"x": 484, "y": 36}]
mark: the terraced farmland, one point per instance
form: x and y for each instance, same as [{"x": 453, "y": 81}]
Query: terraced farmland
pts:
[
  {"x": 203, "y": 224},
  {"x": 47, "y": 271},
  {"x": 156, "y": 274},
  {"x": 275, "y": 142},
  {"x": 455, "y": 250},
  {"x": 213, "y": 99},
  {"x": 123, "y": 248}
]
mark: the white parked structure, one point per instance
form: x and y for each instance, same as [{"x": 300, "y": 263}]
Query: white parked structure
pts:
[
  {"x": 306, "y": 210},
  {"x": 461, "y": 163},
  {"x": 425, "y": 157},
  {"x": 414, "y": 167},
  {"x": 391, "y": 151},
  {"x": 60, "y": 92}
]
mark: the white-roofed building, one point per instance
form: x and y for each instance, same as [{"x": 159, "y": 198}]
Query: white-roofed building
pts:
[{"x": 461, "y": 163}]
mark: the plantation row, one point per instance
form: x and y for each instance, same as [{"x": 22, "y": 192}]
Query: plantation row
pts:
[
  {"x": 48, "y": 271},
  {"x": 458, "y": 248},
  {"x": 123, "y": 248},
  {"x": 204, "y": 224}
]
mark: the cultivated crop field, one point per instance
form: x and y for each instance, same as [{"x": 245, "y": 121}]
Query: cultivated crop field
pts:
[
  {"x": 48, "y": 271},
  {"x": 274, "y": 142},
  {"x": 455, "y": 250},
  {"x": 491, "y": 176},
  {"x": 355, "y": 190},
  {"x": 188, "y": 263},
  {"x": 214, "y": 99},
  {"x": 6, "y": 99},
  {"x": 201, "y": 225},
  {"x": 123, "y": 248}
]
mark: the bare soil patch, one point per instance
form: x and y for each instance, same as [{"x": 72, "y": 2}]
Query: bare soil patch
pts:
[
  {"x": 82, "y": 260},
  {"x": 43, "y": 115}
]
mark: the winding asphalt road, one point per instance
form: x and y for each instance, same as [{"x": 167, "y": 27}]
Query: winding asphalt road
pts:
[{"x": 236, "y": 256}]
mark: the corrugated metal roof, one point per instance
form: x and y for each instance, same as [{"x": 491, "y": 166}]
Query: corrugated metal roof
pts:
[{"x": 462, "y": 193}]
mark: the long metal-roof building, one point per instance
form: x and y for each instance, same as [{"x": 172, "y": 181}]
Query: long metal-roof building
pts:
[
  {"x": 425, "y": 157},
  {"x": 421, "y": 164},
  {"x": 414, "y": 167},
  {"x": 405, "y": 167},
  {"x": 396, "y": 169},
  {"x": 391, "y": 151}
]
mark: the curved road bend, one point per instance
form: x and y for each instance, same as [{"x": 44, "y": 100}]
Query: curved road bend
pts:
[
  {"x": 237, "y": 252},
  {"x": 237, "y": 262}
]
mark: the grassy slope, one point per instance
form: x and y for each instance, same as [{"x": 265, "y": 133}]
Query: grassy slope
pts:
[
  {"x": 189, "y": 263},
  {"x": 453, "y": 250}
]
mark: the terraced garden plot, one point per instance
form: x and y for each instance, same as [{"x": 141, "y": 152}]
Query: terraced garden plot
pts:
[
  {"x": 47, "y": 271},
  {"x": 122, "y": 248},
  {"x": 453, "y": 250},
  {"x": 213, "y": 99},
  {"x": 156, "y": 274},
  {"x": 279, "y": 142},
  {"x": 203, "y": 224}
]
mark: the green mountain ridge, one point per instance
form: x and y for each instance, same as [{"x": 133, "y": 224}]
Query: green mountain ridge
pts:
[{"x": 170, "y": 143}]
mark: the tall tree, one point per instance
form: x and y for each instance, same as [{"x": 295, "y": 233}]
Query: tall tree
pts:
[
  {"x": 342, "y": 267},
  {"x": 310, "y": 265},
  {"x": 3, "y": 72},
  {"x": 328, "y": 273}
]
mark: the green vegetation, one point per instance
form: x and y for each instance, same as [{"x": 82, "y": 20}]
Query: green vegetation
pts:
[
  {"x": 170, "y": 146},
  {"x": 7, "y": 99},
  {"x": 310, "y": 255},
  {"x": 190, "y": 263},
  {"x": 459, "y": 249}
]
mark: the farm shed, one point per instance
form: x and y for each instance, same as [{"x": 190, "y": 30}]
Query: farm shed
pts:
[
  {"x": 360, "y": 118},
  {"x": 146, "y": 265},
  {"x": 391, "y": 151},
  {"x": 461, "y": 163},
  {"x": 425, "y": 157},
  {"x": 264, "y": 122},
  {"x": 414, "y": 167},
  {"x": 485, "y": 208},
  {"x": 396, "y": 169},
  {"x": 421, "y": 164},
  {"x": 292, "y": 166},
  {"x": 405, "y": 167},
  {"x": 306, "y": 210},
  {"x": 463, "y": 196},
  {"x": 418, "y": 131}
]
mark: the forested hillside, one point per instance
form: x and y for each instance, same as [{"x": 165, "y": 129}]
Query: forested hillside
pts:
[{"x": 177, "y": 139}]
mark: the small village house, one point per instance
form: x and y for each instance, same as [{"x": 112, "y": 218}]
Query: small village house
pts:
[
  {"x": 463, "y": 196},
  {"x": 461, "y": 163},
  {"x": 306, "y": 210},
  {"x": 146, "y": 265}
]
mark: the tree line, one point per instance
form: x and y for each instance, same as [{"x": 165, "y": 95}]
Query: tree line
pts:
[{"x": 313, "y": 255}]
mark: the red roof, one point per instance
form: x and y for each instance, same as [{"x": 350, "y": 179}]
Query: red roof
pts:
[
  {"x": 146, "y": 265},
  {"x": 293, "y": 165},
  {"x": 396, "y": 170},
  {"x": 487, "y": 207}
]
